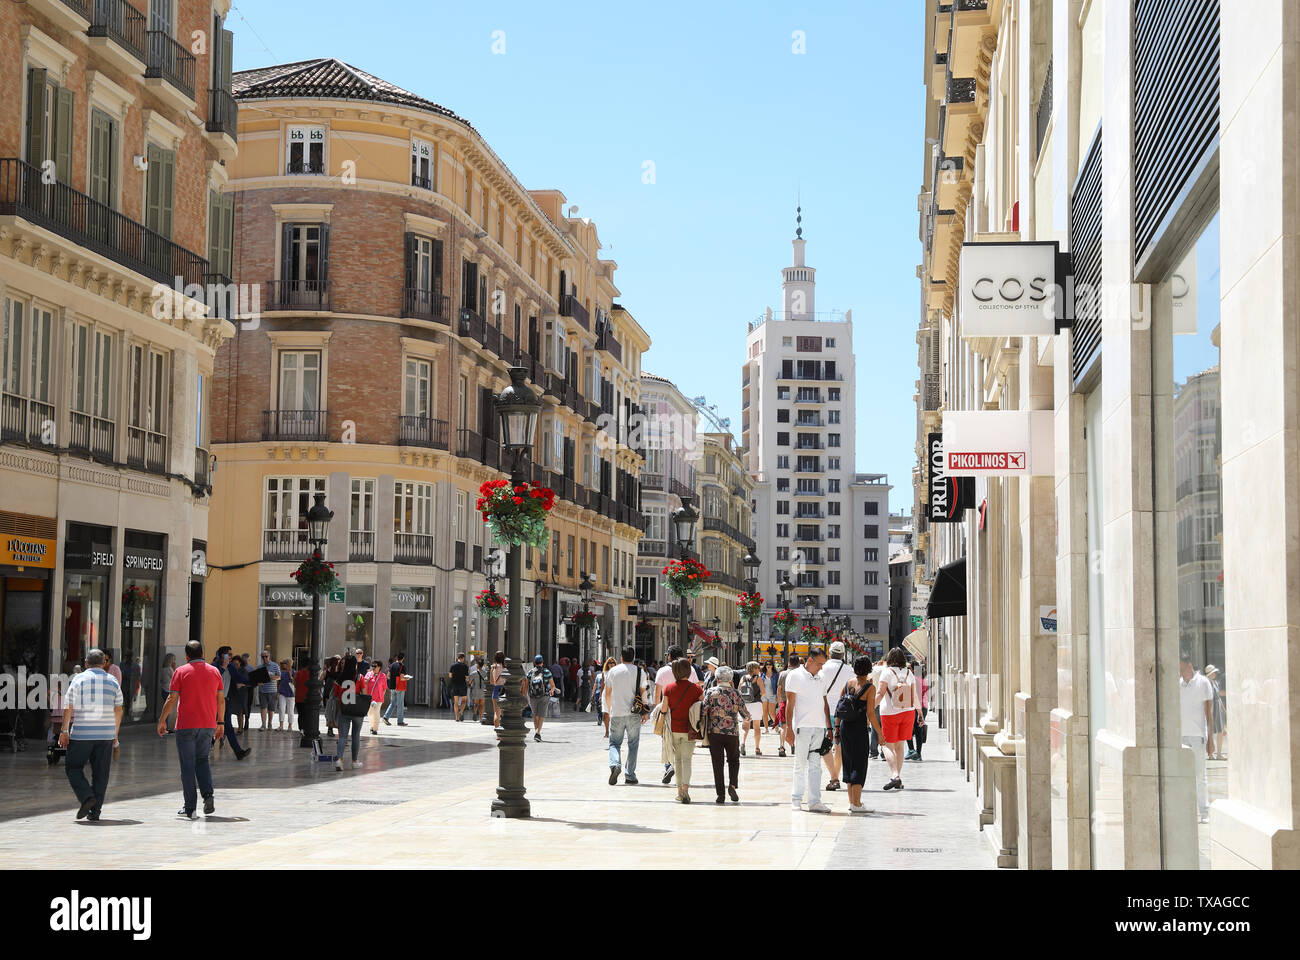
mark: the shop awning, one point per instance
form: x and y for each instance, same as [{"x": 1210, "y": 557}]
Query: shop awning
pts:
[{"x": 948, "y": 598}]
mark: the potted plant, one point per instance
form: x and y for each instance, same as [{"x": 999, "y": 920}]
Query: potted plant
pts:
[
  {"x": 749, "y": 606},
  {"x": 315, "y": 575},
  {"x": 583, "y": 618},
  {"x": 786, "y": 619},
  {"x": 685, "y": 578},
  {"x": 516, "y": 515},
  {"x": 134, "y": 596},
  {"x": 491, "y": 603},
  {"x": 645, "y": 632}
]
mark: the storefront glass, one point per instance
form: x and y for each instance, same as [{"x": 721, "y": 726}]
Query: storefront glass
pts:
[
  {"x": 285, "y": 621},
  {"x": 1189, "y": 444},
  {"x": 138, "y": 657},
  {"x": 88, "y": 562},
  {"x": 411, "y": 622}
]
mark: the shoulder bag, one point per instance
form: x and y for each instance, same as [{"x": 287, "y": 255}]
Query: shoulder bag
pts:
[
  {"x": 354, "y": 703},
  {"x": 639, "y": 709}
]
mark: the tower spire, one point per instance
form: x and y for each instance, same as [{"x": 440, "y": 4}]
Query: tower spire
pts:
[{"x": 798, "y": 220}]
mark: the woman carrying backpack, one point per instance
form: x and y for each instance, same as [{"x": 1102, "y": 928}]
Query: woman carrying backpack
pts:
[
  {"x": 897, "y": 702},
  {"x": 752, "y": 691},
  {"x": 856, "y": 713}
]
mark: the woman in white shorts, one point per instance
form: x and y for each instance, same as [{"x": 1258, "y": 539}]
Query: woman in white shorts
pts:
[{"x": 752, "y": 691}]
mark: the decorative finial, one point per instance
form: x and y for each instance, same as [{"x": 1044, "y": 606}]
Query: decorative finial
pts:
[{"x": 798, "y": 219}]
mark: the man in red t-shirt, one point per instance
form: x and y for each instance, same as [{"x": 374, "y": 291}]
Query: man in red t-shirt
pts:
[{"x": 200, "y": 692}]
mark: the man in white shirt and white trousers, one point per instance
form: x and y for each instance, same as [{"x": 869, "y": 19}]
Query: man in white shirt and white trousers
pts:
[{"x": 807, "y": 721}]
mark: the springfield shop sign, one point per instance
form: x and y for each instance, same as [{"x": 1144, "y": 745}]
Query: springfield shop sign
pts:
[
  {"x": 998, "y": 443},
  {"x": 950, "y": 497},
  {"x": 1010, "y": 289}
]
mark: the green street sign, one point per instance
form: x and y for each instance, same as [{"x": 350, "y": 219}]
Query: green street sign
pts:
[
  {"x": 916, "y": 622},
  {"x": 336, "y": 596}
]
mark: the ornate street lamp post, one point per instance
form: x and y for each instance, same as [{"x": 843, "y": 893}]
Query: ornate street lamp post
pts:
[
  {"x": 492, "y": 570},
  {"x": 584, "y": 590},
  {"x": 751, "y": 564},
  {"x": 518, "y": 408},
  {"x": 318, "y": 522},
  {"x": 717, "y": 637},
  {"x": 787, "y": 593},
  {"x": 683, "y": 520}
]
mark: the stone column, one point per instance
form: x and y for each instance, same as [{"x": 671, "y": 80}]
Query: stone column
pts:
[{"x": 1260, "y": 208}]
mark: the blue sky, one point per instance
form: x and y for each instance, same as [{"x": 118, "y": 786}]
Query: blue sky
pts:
[{"x": 736, "y": 125}]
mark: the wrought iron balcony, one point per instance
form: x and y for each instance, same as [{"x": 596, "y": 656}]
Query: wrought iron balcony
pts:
[
  {"x": 413, "y": 548},
  {"x": 470, "y": 324},
  {"x": 171, "y": 62},
  {"x": 421, "y": 431},
  {"x": 202, "y": 467},
  {"x": 298, "y": 295},
  {"x": 25, "y": 420},
  {"x": 469, "y": 444},
  {"x": 297, "y": 425},
  {"x": 92, "y": 435},
  {"x": 361, "y": 545},
  {"x": 571, "y": 307},
  {"x": 90, "y": 224},
  {"x": 961, "y": 90},
  {"x": 285, "y": 545},
  {"x": 425, "y": 304},
  {"x": 121, "y": 23},
  {"x": 316, "y": 167},
  {"x": 223, "y": 112},
  {"x": 146, "y": 450}
]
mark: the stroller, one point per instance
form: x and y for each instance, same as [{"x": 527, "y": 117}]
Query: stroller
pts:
[{"x": 53, "y": 752}]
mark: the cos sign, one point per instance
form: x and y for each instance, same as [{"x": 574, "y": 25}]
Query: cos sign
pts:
[{"x": 1013, "y": 289}]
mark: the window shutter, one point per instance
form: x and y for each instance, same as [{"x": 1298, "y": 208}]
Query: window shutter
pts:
[
  {"x": 214, "y": 230},
  {"x": 64, "y": 104},
  {"x": 324, "y": 255},
  {"x": 153, "y": 189},
  {"x": 437, "y": 268},
  {"x": 101, "y": 158},
  {"x": 286, "y": 253},
  {"x": 411, "y": 277},
  {"x": 36, "y": 133},
  {"x": 168, "y": 191},
  {"x": 787, "y": 370},
  {"x": 227, "y": 55},
  {"x": 228, "y": 235},
  {"x": 482, "y": 296}
]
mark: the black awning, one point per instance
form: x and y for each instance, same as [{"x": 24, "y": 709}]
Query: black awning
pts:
[{"x": 948, "y": 598}]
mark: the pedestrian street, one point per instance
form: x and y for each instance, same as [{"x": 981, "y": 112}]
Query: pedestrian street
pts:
[{"x": 422, "y": 799}]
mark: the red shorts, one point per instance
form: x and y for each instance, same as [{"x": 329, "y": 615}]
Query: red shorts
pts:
[{"x": 897, "y": 727}]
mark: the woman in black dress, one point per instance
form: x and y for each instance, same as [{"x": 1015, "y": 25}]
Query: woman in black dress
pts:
[{"x": 853, "y": 730}]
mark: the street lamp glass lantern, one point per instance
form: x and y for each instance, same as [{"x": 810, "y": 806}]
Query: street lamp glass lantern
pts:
[
  {"x": 585, "y": 588},
  {"x": 787, "y": 590},
  {"x": 751, "y": 564},
  {"x": 518, "y": 408},
  {"x": 684, "y": 520},
  {"x": 809, "y": 607},
  {"x": 318, "y": 521},
  {"x": 717, "y": 625}
]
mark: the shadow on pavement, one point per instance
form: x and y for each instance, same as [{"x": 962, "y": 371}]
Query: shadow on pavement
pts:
[{"x": 615, "y": 827}]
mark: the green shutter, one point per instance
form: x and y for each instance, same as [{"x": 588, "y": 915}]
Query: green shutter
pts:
[
  {"x": 168, "y": 191},
  {"x": 64, "y": 101},
  {"x": 101, "y": 157},
  {"x": 153, "y": 188},
  {"x": 214, "y": 231},
  {"x": 37, "y": 135},
  {"x": 227, "y": 55},
  {"x": 228, "y": 235}
]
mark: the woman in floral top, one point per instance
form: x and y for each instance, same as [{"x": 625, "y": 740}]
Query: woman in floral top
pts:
[{"x": 724, "y": 712}]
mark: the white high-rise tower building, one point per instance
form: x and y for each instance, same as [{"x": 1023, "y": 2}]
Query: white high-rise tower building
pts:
[{"x": 817, "y": 520}]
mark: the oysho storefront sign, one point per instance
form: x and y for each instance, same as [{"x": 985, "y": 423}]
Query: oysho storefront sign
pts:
[
  {"x": 950, "y": 497},
  {"x": 1013, "y": 289},
  {"x": 998, "y": 443}
]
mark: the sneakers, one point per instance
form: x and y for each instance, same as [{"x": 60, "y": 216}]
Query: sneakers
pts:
[
  {"x": 209, "y": 804},
  {"x": 911, "y": 755},
  {"x": 818, "y": 808},
  {"x": 613, "y": 775},
  {"x": 187, "y": 814},
  {"x": 537, "y": 737},
  {"x": 668, "y": 775},
  {"x": 357, "y": 764},
  {"x": 873, "y": 756},
  {"x": 796, "y": 804},
  {"x": 387, "y": 722},
  {"x": 338, "y": 765},
  {"x": 400, "y": 723},
  {"x": 683, "y": 798},
  {"x": 857, "y": 808},
  {"x": 86, "y": 806},
  {"x": 246, "y": 751}
]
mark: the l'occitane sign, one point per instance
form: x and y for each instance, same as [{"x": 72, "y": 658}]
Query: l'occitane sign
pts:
[{"x": 28, "y": 552}]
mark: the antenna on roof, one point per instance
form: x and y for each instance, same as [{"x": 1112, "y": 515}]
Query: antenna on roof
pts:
[
  {"x": 798, "y": 219},
  {"x": 573, "y": 209}
]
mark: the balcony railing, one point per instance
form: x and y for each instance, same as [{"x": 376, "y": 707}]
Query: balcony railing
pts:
[
  {"x": 425, "y": 304},
  {"x": 469, "y": 444},
  {"x": 25, "y": 420},
  {"x": 652, "y": 481},
  {"x": 421, "y": 431},
  {"x": 679, "y": 489},
  {"x": 223, "y": 112},
  {"x": 424, "y": 183},
  {"x": 605, "y": 341},
  {"x": 202, "y": 467},
  {"x": 470, "y": 324},
  {"x": 960, "y": 90},
  {"x": 361, "y": 545},
  {"x": 571, "y": 307},
  {"x": 573, "y": 399},
  {"x": 1044, "y": 113},
  {"x": 413, "y": 548},
  {"x": 492, "y": 339},
  {"x": 146, "y": 450},
  {"x": 80, "y": 7},
  {"x": 807, "y": 397},
  {"x": 285, "y": 545},
  {"x": 652, "y": 548},
  {"x": 810, "y": 515},
  {"x": 91, "y": 224},
  {"x": 92, "y": 435},
  {"x": 298, "y": 295},
  {"x": 316, "y": 167},
  {"x": 810, "y": 492},
  {"x": 311, "y": 425},
  {"x": 170, "y": 61},
  {"x": 121, "y": 23}
]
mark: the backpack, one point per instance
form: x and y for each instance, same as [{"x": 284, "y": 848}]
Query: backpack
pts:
[
  {"x": 747, "y": 689},
  {"x": 537, "y": 684},
  {"x": 851, "y": 708},
  {"x": 901, "y": 693}
]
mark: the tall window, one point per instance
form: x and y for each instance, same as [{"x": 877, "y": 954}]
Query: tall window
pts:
[
  {"x": 148, "y": 402},
  {"x": 418, "y": 386},
  {"x": 421, "y": 163},
  {"x": 103, "y": 148},
  {"x": 300, "y": 379},
  {"x": 362, "y": 515},
  {"x": 92, "y": 372},
  {"x": 287, "y": 501},
  {"x": 462, "y": 402},
  {"x": 221, "y": 232},
  {"x": 424, "y": 276},
  {"x": 412, "y": 508},
  {"x": 304, "y": 258},
  {"x": 27, "y": 344},
  {"x": 305, "y": 149},
  {"x": 50, "y": 124}
]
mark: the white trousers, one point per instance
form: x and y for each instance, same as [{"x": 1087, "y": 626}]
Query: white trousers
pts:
[{"x": 807, "y": 764}]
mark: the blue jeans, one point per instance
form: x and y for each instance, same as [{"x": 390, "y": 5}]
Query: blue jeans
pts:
[
  {"x": 194, "y": 745},
  {"x": 99, "y": 754},
  {"x": 398, "y": 701},
  {"x": 617, "y": 727},
  {"x": 231, "y": 737},
  {"x": 344, "y": 723}
]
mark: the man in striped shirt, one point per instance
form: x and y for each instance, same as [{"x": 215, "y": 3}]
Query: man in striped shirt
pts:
[{"x": 92, "y": 715}]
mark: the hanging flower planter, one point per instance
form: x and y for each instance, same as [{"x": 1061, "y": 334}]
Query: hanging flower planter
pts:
[
  {"x": 685, "y": 578},
  {"x": 516, "y": 515},
  {"x": 491, "y": 603},
  {"x": 315, "y": 575},
  {"x": 583, "y": 618},
  {"x": 813, "y": 634},
  {"x": 133, "y": 596},
  {"x": 749, "y": 606},
  {"x": 786, "y": 619},
  {"x": 645, "y": 632}
]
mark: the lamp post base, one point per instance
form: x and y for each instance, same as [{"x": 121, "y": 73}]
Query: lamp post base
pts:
[{"x": 510, "y": 800}]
